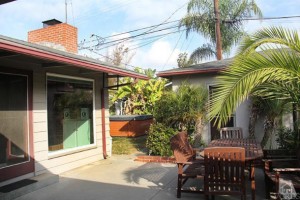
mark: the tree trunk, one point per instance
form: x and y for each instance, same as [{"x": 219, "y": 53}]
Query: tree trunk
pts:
[
  {"x": 268, "y": 131},
  {"x": 252, "y": 121},
  {"x": 218, "y": 30},
  {"x": 198, "y": 132}
]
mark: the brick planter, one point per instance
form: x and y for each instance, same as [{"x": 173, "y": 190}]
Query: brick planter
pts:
[{"x": 158, "y": 159}]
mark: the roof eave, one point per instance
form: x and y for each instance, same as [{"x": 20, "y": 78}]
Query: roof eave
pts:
[
  {"x": 30, "y": 51},
  {"x": 177, "y": 73}
]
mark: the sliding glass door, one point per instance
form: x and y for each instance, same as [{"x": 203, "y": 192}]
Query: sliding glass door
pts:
[{"x": 15, "y": 153}]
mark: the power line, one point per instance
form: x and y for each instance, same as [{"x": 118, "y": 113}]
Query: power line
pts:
[
  {"x": 164, "y": 23},
  {"x": 172, "y": 51},
  {"x": 135, "y": 36},
  {"x": 135, "y": 30},
  {"x": 263, "y": 18},
  {"x": 149, "y": 27},
  {"x": 119, "y": 41},
  {"x": 161, "y": 36},
  {"x": 157, "y": 37},
  {"x": 111, "y": 58},
  {"x": 169, "y": 17}
]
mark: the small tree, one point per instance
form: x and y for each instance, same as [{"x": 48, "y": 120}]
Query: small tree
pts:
[
  {"x": 178, "y": 110},
  {"x": 120, "y": 56},
  {"x": 183, "y": 60}
]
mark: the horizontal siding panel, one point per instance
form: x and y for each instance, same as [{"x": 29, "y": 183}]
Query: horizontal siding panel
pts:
[
  {"x": 73, "y": 165},
  {"x": 39, "y": 117},
  {"x": 40, "y": 136},
  {"x": 41, "y": 156},
  {"x": 41, "y": 146},
  {"x": 40, "y": 127},
  {"x": 39, "y": 107},
  {"x": 63, "y": 160}
]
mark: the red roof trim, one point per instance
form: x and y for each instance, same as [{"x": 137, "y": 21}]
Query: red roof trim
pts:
[
  {"x": 166, "y": 74},
  {"x": 60, "y": 58}
]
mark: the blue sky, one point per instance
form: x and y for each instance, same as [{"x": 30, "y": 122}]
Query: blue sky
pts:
[{"x": 109, "y": 17}]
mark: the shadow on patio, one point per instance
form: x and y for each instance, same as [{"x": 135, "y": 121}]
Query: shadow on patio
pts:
[{"x": 122, "y": 178}]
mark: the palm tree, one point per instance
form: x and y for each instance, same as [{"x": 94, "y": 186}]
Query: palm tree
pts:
[
  {"x": 272, "y": 73},
  {"x": 200, "y": 17},
  {"x": 272, "y": 110}
]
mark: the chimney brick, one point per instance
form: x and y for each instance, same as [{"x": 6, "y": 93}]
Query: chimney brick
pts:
[{"x": 59, "y": 34}]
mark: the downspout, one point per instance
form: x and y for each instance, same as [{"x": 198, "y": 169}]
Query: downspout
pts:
[{"x": 103, "y": 120}]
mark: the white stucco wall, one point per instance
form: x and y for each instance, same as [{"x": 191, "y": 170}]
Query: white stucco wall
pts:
[{"x": 241, "y": 114}]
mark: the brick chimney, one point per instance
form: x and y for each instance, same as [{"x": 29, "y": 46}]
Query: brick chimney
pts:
[{"x": 55, "y": 34}]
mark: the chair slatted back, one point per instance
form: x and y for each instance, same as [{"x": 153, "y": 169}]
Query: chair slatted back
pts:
[
  {"x": 224, "y": 171},
  {"x": 183, "y": 151},
  {"x": 231, "y": 132}
]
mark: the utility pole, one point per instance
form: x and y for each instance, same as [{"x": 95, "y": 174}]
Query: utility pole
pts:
[{"x": 218, "y": 30}]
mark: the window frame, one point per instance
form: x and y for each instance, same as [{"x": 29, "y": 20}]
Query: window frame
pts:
[{"x": 63, "y": 152}]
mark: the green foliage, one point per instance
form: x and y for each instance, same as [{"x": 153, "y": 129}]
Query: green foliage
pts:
[
  {"x": 158, "y": 141},
  {"x": 200, "y": 18},
  {"x": 181, "y": 108},
  {"x": 271, "y": 73},
  {"x": 287, "y": 139},
  {"x": 177, "y": 110},
  {"x": 183, "y": 61},
  {"x": 142, "y": 95}
]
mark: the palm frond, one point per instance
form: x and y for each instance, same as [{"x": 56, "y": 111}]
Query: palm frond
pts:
[
  {"x": 247, "y": 75},
  {"x": 203, "y": 52},
  {"x": 275, "y": 35},
  {"x": 200, "y": 18}
]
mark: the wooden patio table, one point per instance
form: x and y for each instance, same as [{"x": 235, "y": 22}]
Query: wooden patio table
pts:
[{"x": 253, "y": 152}]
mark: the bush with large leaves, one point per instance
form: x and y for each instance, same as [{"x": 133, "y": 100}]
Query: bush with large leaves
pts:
[{"x": 142, "y": 95}]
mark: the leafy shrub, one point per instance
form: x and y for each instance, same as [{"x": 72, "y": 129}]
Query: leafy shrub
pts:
[
  {"x": 158, "y": 141},
  {"x": 287, "y": 139},
  {"x": 181, "y": 109}
]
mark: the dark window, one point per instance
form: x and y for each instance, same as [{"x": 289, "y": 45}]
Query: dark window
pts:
[
  {"x": 70, "y": 113},
  {"x": 14, "y": 131}
]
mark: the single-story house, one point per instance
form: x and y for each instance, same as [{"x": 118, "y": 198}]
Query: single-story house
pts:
[
  {"x": 205, "y": 74},
  {"x": 54, "y": 104}
]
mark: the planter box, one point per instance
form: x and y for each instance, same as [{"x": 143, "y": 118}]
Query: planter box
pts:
[{"x": 130, "y": 125}]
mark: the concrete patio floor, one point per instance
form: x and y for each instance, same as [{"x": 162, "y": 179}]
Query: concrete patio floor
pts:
[{"x": 119, "y": 177}]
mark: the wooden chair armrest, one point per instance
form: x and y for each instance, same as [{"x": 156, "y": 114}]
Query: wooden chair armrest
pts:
[
  {"x": 271, "y": 164},
  {"x": 279, "y": 160},
  {"x": 197, "y": 161},
  {"x": 198, "y": 149},
  {"x": 286, "y": 169}
]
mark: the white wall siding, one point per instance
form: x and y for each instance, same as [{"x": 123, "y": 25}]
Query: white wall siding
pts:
[
  {"x": 45, "y": 162},
  {"x": 242, "y": 117}
]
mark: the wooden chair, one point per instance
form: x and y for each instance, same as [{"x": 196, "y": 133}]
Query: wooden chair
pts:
[
  {"x": 281, "y": 169},
  {"x": 231, "y": 132},
  {"x": 224, "y": 171},
  {"x": 188, "y": 165}
]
